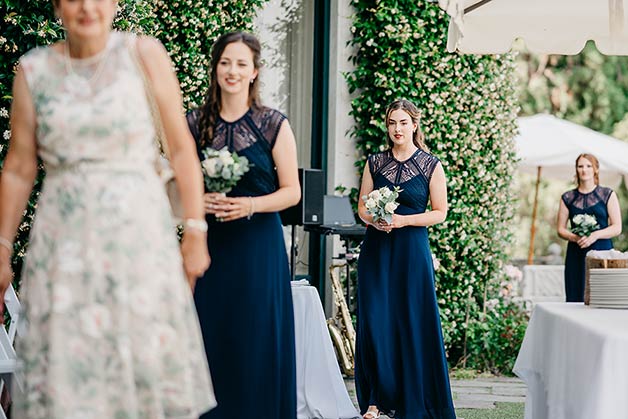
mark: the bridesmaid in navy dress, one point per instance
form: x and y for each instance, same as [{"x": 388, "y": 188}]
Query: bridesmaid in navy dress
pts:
[
  {"x": 587, "y": 198},
  {"x": 401, "y": 368},
  {"x": 244, "y": 301}
]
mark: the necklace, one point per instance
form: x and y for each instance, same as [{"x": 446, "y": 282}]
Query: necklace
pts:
[{"x": 74, "y": 82}]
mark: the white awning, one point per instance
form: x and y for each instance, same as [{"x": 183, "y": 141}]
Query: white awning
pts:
[
  {"x": 553, "y": 144},
  {"x": 546, "y": 26}
]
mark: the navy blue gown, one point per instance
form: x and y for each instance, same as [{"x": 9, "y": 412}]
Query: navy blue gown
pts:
[
  {"x": 400, "y": 356},
  {"x": 244, "y": 300},
  {"x": 593, "y": 203}
]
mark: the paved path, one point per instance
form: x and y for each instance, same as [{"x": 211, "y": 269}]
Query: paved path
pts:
[{"x": 478, "y": 393}]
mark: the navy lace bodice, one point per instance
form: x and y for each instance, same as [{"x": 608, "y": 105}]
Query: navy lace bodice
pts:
[
  {"x": 252, "y": 136},
  {"x": 412, "y": 176},
  {"x": 593, "y": 203}
]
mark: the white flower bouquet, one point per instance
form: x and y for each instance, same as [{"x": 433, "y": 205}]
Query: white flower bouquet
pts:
[
  {"x": 381, "y": 203},
  {"x": 222, "y": 170},
  {"x": 584, "y": 224}
]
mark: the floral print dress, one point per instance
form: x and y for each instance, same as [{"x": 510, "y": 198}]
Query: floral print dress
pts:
[{"x": 110, "y": 327}]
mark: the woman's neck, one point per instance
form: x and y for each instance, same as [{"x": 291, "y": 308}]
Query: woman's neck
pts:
[
  {"x": 232, "y": 107},
  {"x": 402, "y": 152},
  {"x": 586, "y": 186},
  {"x": 85, "y": 48}
]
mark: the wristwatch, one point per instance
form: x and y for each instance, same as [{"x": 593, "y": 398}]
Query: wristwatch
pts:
[{"x": 200, "y": 225}]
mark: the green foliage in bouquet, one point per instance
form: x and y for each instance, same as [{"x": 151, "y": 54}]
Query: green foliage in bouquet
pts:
[
  {"x": 469, "y": 108},
  {"x": 222, "y": 170},
  {"x": 187, "y": 28}
]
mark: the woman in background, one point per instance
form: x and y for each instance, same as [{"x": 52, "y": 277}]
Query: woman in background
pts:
[
  {"x": 244, "y": 301},
  {"x": 592, "y": 199}
]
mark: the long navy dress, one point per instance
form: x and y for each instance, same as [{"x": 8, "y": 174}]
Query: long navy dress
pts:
[
  {"x": 593, "y": 203},
  {"x": 400, "y": 357},
  {"x": 244, "y": 300}
]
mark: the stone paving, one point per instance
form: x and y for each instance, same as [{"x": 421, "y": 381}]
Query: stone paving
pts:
[{"x": 478, "y": 393}]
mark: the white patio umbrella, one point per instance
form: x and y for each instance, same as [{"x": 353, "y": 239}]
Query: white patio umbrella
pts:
[
  {"x": 546, "y": 26},
  {"x": 549, "y": 146}
]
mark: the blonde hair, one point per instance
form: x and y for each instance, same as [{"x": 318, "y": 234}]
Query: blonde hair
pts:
[
  {"x": 596, "y": 167},
  {"x": 418, "y": 138}
]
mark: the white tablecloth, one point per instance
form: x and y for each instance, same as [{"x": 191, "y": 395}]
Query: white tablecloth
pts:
[
  {"x": 321, "y": 392},
  {"x": 574, "y": 360}
]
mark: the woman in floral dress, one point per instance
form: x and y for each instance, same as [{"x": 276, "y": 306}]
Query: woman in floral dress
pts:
[{"x": 111, "y": 330}]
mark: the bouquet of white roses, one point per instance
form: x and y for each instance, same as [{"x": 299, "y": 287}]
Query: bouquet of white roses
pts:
[
  {"x": 222, "y": 169},
  {"x": 381, "y": 203},
  {"x": 584, "y": 224}
]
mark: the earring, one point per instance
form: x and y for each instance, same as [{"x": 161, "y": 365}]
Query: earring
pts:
[{"x": 252, "y": 80}]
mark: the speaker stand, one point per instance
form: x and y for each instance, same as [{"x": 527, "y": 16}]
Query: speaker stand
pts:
[{"x": 293, "y": 252}]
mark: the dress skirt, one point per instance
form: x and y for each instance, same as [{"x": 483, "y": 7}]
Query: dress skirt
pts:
[
  {"x": 244, "y": 304},
  {"x": 575, "y": 264},
  {"x": 400, "y": 359}
]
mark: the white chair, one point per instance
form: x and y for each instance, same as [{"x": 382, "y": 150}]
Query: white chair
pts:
[
  {"x": 543, "y": 283},
  {"x": 8, "y": 357}
]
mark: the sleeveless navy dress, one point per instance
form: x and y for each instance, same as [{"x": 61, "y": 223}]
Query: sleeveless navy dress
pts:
[
  {"x": 400, "y": 356},
  {"x": 244, "y": 300},
  {"x": 593, "y": 203}
]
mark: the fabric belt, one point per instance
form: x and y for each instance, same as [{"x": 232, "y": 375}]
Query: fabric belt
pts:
[{"x": 100, "y": 166}]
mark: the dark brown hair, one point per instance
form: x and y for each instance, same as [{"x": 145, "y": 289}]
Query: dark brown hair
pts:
[
  {"x": 210, "y": 109},
  {"x": 411, "y": 109},
  {"x": 596, "y": 167}
]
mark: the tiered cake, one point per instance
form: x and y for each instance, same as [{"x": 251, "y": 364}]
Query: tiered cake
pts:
[{"x": 607, "y": 279}]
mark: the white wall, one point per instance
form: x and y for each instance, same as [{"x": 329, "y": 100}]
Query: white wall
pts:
[
  {"x": 342, "y": 152},
  {"x": 286, "y": 28}
]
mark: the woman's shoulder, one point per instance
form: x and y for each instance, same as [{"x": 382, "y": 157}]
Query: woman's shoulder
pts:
[
  {"x": 380, "y": 156},
  {"x": 41, "y": 52},
  {"x": 426, "y": 162},
  {"x": 37, "y": 63},
  {"x": 193, "y": 119},
  {"x": 193, "y": 114},
  {"x": 569, "y": 195},
  {"x": 378, "y": 160},
  {"x": 424, "y": 155},
  {"x": 268, "y": 121},
  {"x": 265, "y": 114},
  {"x": 604, "y": 192}
]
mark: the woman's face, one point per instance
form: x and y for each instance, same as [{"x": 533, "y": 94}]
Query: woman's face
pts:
[
  {"x": 585, "y": 170},
  {"x": 400, "y": 127},
  {"x": 86, "y": 19},
  {"x": 235, "y": 69}
]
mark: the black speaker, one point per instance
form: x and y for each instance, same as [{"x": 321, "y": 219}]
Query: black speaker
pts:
[{"x": 309, "y": 210}]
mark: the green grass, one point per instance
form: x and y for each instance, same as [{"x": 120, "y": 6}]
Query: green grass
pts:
[{"x": 502, "y": 411}]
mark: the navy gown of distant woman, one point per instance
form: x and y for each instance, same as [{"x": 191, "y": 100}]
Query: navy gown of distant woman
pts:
[
  {"x": 400, "y": 360},
  {"x": 244, "y": 300},
  {"x": 593, "y": 203}
]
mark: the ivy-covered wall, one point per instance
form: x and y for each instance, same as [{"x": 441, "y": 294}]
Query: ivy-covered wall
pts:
[
  {"x": 187, "y": 28},
  {"x": 468, "y": 108}
]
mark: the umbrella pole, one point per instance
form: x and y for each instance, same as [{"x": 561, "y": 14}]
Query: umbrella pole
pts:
[{"x": 534, "y": 208}]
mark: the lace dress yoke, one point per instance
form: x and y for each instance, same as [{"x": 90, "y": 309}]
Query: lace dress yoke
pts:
[{"x": 412, "y": 175}]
